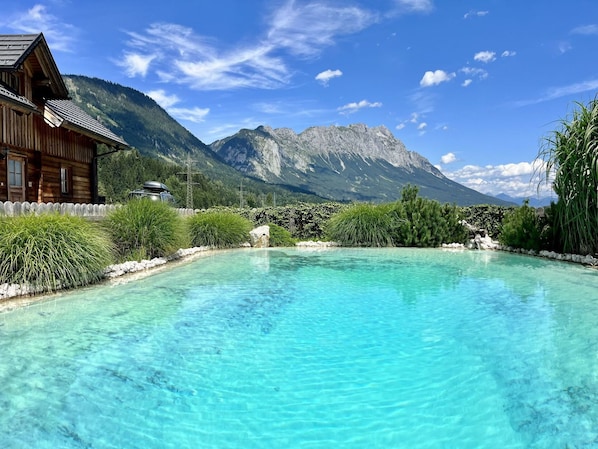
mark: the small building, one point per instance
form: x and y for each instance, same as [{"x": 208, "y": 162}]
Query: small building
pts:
[{"x": 49, "y": 147}]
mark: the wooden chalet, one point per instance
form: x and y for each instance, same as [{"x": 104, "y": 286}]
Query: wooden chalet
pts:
[{"x": 48, "y": 145}]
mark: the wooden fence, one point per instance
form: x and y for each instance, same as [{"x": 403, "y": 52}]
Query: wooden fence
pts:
[{"x": 10, "y": 209}]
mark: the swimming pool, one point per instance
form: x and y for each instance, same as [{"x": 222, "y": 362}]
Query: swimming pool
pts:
[{"x": 299, "y": 348}]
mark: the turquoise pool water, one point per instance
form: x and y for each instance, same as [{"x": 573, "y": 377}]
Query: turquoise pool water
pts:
[{"x": 340, "y": 348}]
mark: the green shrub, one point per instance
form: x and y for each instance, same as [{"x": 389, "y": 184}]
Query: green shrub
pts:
[
  {"x": 49, "y": 252},
  {"x": 362, "y": 225},
  {"x": 521, "y": 228},
  {"x": 144, "y": 229},
  {"x": 219, "y": 229},
  {"x": 279, "y": 236}
]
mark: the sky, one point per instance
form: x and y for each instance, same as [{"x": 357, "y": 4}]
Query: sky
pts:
[{"x": 475, "y": 86}]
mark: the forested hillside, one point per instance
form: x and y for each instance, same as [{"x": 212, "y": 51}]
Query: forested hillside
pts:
[{"x": 161, "y": 147}]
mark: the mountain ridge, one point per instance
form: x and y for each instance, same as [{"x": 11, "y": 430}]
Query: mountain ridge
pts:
[{"x": 347, "y": 163}]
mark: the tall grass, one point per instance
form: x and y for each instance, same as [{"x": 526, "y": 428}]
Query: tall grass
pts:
[
  {"x": 411, "y": 221},
  {"x": 571, "y": 156},
  {"x": 144, "y": 229},
  {"x": 521, "y": 228},
  {"x": 219, "y": 229},
  {"x": 49, "y": 252},
  {"x": 279, "y": 236},
  {"x": 362, "y": 225}
]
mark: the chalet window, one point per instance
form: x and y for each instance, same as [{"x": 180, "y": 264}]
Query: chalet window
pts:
[
  {"x": 15, "y": 173},
  {"x": 66, "y": 180}
]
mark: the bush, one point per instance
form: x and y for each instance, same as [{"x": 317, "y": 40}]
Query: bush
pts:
[
  {"x": 362, "y": 225},
  {"x": 144, "y": 229},
  {"x": 219, "y": 229},
  {"x": 279, "y": 236},
  {"x": 521, "y": 228},
  {"x": 50, "y": 252}
]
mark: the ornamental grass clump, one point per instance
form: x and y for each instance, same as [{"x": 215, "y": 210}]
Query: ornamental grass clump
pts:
[
  {"x": 219, "y": 229},
  {"x": 362, "y": 225},
  {"x": 145, "y": 229},
  {"x": 50, "y": 252}
]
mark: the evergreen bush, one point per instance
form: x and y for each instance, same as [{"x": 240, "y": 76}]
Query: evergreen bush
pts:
[
  {"x": 50, "y": 252},
  {"x": 219, "y": 229},
  {"x": 279, "y": 236},
  {"x": 521, "y": 228},
  {"x": 144, "y": 229}
]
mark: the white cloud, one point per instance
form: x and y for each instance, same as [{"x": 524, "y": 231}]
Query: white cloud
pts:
[
  {"x": 508, "y": 53},
  {"x": 587, "y": 30},
  {"x": 422, "y": 126},
  {"x": 136, "y": 64},
  {"x": 434, "y": 78},
  {"x": 485, "y": 56},
  {"x": 400, "y": 125},
  {"x": 466, "y": 83},
  {"x": 295, "y": 29},
  {"x": 195, "y": 115},
  {"x": 474, "y": 71},
  {"x": 325, "y": 76},
  {"x": 475, "y": 14},
  {"x": 61, "y": 36},
  {"x": 414, "y": 5},
  {"x": 523, "y": 179},
  {"x": 304, "y": 29},
  {"x": 354, "y": 107},
  {"x": 164, "y": 100},
  {"x": 448, "y": 158}
]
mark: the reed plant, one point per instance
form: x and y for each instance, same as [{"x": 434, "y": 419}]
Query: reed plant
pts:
[
  {"x": 571, "y": 157},
  {"x": 219, "y": 229},
  {"x": 145, "y": 229},
  {"x": 49, "y": 252}
]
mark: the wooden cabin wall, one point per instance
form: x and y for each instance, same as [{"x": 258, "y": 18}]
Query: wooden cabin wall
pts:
[{"x": 47, "y": 149}]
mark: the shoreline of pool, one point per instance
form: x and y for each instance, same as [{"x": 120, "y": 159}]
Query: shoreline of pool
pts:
[{"x": 14, "y": 297}]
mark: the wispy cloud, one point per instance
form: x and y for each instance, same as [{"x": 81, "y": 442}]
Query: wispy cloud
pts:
[
  {"x": 409, "y": 6},
  {"x": 177, "y": 54},
  {"x": 163, "y": 99},
  {"x": 508, "y": 53},
  {"x": 61, "y": 36},
  {"x": 587, "y": 30},
  {"x": 436, "y": 77},
  {"x": 473, "y": 13},
  {"x": 325, "y": 76},
  {"x": 562, "y": 91},
  {"x": 195, "y": 115},
  {"x": 350, "y": 108}
]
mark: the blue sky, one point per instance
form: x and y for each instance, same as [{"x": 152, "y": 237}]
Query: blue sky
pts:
[{"x": 472, "y": 85}]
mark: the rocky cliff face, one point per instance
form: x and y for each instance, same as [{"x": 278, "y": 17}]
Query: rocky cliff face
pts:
[{"x": 340, "y": 163}]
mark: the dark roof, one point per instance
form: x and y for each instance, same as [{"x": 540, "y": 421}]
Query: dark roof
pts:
[
  {"x": 14, "y": 48},
  {"x": 16, "y": 99},
  {"x": 79, "y": 119}
]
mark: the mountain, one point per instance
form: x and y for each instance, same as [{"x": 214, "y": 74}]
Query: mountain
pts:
[
  {"x": 149, "y": 129},
  {"x": 533, "y": 201},
  {"x": 353, "y": 163}
]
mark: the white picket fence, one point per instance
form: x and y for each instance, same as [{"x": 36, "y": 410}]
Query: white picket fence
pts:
[{"x": 10, "y": 209}]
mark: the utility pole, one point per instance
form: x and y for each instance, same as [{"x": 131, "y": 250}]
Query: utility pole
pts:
[
  {"x": 241, "y": 195},
  {"x": 189, "y": 174}
]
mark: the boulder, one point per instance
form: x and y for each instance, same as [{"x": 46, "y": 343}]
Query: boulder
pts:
[{"x": 260, "y": 237}]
